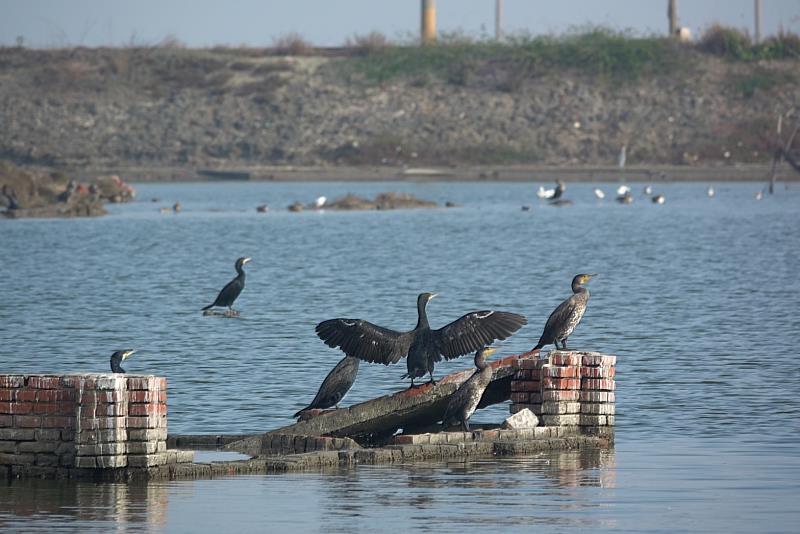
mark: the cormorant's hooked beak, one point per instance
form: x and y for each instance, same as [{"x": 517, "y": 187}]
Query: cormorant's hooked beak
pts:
[
  {"x": 488, "y": 351},
  {"x": 246, "y": 260},
  {"x": 433, "y": 295},
  {"x": 127, "y": 354}
]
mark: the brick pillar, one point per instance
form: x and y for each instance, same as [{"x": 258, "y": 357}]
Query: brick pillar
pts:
[
  {"x": 566, "y": 388},
  {"x": 94, "y": 421}
]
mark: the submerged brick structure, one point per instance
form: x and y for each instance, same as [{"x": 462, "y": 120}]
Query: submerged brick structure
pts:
[
  {"x": 567, "y": 388},
  {"x": 72, "y": 425}
]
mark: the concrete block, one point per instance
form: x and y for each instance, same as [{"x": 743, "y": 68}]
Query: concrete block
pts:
[
  {"x": 6, "y": 421},
  {"x": 561, "y": 420},
  {"x": 112, "y": 462},
  {"x": 524, "y": 385},
  {"x": 101, "y": 436},
  {"x": 184, "y": 456},
  {"x": 44, "y": 382},
  {"x": 535, "y": 408},
  {"x": 533, "y": 363},
  {"x": 27, "y": 421},
  {"x": 523, "y": 419},
  {"x": 110, "y": 383},
  {"x": 100, "y": 449},
  {"x": 520, "y": 397},
  {"x": 541, "y": 432},
  {"x": 66, "y": 460},
  {"x": 8, "y": 446},
  {"x": 47, "y": 435},
  {"x": 557, "y": 407}
]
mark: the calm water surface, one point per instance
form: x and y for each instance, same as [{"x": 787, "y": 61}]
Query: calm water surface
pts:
[{"x": 699, "y": 298}]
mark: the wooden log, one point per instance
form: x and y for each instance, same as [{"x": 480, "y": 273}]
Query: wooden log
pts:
[{"x": 374, "y": 421}]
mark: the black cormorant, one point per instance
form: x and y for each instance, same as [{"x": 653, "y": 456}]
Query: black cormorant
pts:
[
  {"x": 466, "y": 398},
  {"x": 566, "y": 317},
  {"x": 335, "y": 386},
  {"x": 117, "y": 358},
  {"x": 232, "y": 289},
  {"x": 423, "y": 346}
]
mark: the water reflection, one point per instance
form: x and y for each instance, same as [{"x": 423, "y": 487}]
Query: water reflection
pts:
[{"x": 487, "y": 487}]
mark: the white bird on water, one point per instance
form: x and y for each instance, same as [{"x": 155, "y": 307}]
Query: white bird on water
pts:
[
  {"x": 658, "y": 199},
  {"x": 599, "y": 193},
  {"x": 623, "y": 190},
  {"x": 320, "y": 202},
  {"x": 648, "y": 190},
  {"x": 545, "y": 193},
  {"x": 711, "y": 191},
  {"x": 759, "y": 195}
]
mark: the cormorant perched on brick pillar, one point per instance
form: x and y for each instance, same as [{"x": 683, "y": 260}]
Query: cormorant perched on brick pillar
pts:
[
  {"x": 423, "y": 346},
  {"x": 466, "y": 398},
  {"x": 118, "y": 357},
  {"x": 566, "y": 317},
  {"x": 232, "y": 289},
  {"x": 335, "y": 386}
]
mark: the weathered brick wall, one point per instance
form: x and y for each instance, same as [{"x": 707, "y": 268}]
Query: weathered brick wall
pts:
[
  {"x": 567, "y": 388},
  {"x": 83, "y": 421}
]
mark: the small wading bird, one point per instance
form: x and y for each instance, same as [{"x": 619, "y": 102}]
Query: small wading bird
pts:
[
  {"x": 423, "y": 346},
  {"x": 567, "y": 315},
  {"x": 118, "y": 357},
  {"x": 467, "y": 397},
  {"x": 335, "y": 386},
  {"x": 232, "y": 289}
]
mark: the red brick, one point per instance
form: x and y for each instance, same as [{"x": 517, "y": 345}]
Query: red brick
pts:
[
  {"x": 54, "y": 395},
  {"x": 524, "y": 385},
  {"x": 71, "y": 382},
  {"x": 12, "y": 381},
  {"x": 560, "y": 395},
  {"x": 58, "y": 422},
  {"x": 521, "y": 374},
  {"x": 560, "y": 372},
  {"x": 520, "y": 396},
  {"x": 531, "y": 363},
  {"x": 102, "y": 397},
  {"x": 598, "y": 360},
  {"x": 162, "y": 396},
  {"x": 598, "y": 396},
  {"x": 45, "y": 408},
  {"x": 66, "y": 407},
  {"x": 598, "y": 384},
  {"x": 147, "y": 409},
  {"x": 138, "y": 382},
  {"x": 561, "y": 383},
  {"x": 598, "y": 372},
  {"x": 6, "y": 420},
  {"x": 27, "y": 421},
  {"x": 16, "y": 407},
  {"x": 44, "y": 382},
  {"x": 404, "y": 439},
  {"x": 147, "y": 422},
  {"x": 26, "y": 395},
  {"x": 147, "y": 396},
  {"x": 565, "y": 358},
  {"x": 7, "y": 394}
]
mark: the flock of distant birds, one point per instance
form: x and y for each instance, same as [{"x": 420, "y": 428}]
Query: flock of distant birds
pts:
[
  {"x": 554, "y": 195},
  {"x": 422, "y": 346}
]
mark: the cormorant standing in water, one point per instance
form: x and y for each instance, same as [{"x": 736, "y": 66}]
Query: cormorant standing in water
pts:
[
  {"x": 232, "y": 289},
  {"x": 335, "y": 386},
  {"x": 117, "y": 358},
  {"x": 566, "y": 317},
  {"x": 423, "y": 346},
  {"x": 466, "y": 398}
]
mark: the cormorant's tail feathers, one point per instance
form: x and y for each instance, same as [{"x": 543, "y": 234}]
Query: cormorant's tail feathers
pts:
[{"x": 207, "y": 307}]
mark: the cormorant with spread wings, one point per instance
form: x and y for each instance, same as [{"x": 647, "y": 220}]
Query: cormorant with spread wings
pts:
[{"x": 423, "y": 346}]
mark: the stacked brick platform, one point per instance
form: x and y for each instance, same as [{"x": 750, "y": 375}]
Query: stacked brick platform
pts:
[
  {"x": 93, "y": 421},
  {"x": 567, "y": 388}
]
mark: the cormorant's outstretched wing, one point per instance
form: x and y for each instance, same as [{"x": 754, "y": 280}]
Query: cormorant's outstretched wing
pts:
[
  {"x": 474, "y": 331},
  {"x": 365, "y": 340}
]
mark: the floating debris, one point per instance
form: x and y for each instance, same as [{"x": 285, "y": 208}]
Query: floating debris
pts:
[{"x": 599, "y": 193}]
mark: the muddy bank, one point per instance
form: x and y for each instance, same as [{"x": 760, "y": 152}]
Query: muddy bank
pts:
[
  {"x": 246, "y": 110},
  {"x": 35, "y": 193}
]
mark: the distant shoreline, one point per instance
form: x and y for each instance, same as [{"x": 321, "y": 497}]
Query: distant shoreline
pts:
[{"x": 517, "y": 173}]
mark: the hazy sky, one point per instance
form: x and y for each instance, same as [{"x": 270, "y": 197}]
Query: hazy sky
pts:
[{"x": 331, "y": 22}]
